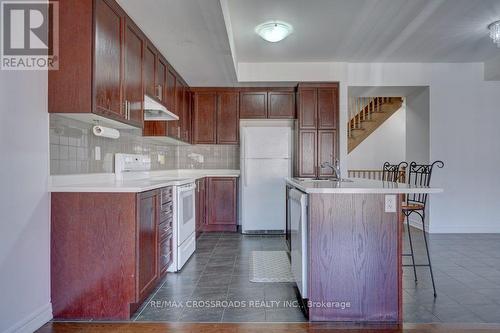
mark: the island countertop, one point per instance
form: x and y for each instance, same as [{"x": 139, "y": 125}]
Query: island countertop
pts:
[{"x": 358, "y": 185}]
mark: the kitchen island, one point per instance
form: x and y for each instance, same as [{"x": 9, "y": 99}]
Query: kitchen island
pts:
[{"x": 352, "y": 247}]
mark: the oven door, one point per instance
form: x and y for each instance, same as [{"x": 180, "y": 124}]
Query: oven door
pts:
[{"x": 186, "y": 221}]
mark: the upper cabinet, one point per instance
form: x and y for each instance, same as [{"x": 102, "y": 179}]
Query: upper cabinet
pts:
[
  {"x": 271, "y": 103},
  {"x": 215, "y": 116},
  {"x": 317, "y": 133},
  {"x": 100, "y": 52},
  {"x": 253, "y": 104},
  {"x": 106, "y": 67},
  {"x": 150, "y": 70},
  {"x": 205, "y": 117},
  {"x": 108, "y": 57},
  {"x": 228, "y": 121},
  {"x": 132, "y": 86},
  {"x": 281, "y": 104}
]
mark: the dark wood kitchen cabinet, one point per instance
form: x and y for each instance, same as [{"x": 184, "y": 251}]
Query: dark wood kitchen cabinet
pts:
[
  {"x": 307, "y": 153},
  {"x": 317, "y": 133},
  {"x": 150, "y": 57},
  {"x": 132, "y": 87},
  {"x": 253, "y": 104},
  {"x": 205, "y": 117},
  {"x": 94, "y": 41},
  {"x": 222, "y": 203},
  {"x": 108, "y": 251},
  {"x": 281, "y": 104},
  {"x": 228, "y": 121},
  {"x": 147, "y": 241},
  {"x": 271, "y": 103},
  {"x": 215, "y": 116}
]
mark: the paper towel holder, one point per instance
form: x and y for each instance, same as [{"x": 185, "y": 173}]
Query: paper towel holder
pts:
[{"x": 105, "y": 132}]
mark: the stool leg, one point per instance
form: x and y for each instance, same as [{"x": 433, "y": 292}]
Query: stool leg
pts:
[
  {"x": 411, "y": 247},
  {"x": 428, "y": 255}
]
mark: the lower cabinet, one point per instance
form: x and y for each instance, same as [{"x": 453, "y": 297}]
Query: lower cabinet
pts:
[
  {"x": 216, "y": 204},
  {"x": 221, "y": 204},
  {"x": 108, "y": 251}
]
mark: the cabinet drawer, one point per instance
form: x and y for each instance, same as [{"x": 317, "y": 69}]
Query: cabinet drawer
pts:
[
  {"x": 166, "y": 196},
  {"x": 166, "y": 213},
  {"x": 165, "y": 254},
  {"x": 164, "y": 230}
]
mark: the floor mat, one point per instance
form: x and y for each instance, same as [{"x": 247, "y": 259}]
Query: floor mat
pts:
[{"x": 270, "y": 266}]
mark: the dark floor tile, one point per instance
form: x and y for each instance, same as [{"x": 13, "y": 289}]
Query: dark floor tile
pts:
[
  {"x": 214, "y": 280},
  {"x": 488, "y": 313},
  {"x": 159, "y": 311}
]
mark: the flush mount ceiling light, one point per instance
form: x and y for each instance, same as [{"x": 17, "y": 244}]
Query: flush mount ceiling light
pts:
[
  {"x": 274, "y": 31},
  {"x": 495, "y": 32}
]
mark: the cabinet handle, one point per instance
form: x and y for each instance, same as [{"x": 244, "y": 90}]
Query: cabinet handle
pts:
[{"x": 158, "y": 91}]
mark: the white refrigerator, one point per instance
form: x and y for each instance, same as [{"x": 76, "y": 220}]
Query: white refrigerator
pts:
[{"x": 266, "y": 159}]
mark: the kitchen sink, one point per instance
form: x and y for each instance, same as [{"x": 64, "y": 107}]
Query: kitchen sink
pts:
[{"x": 323, "y": 180}]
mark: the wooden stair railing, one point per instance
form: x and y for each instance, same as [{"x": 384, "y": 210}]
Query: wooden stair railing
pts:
[
  {"x": 366, "y": 114},
  {"x": 374, "y": 174}
]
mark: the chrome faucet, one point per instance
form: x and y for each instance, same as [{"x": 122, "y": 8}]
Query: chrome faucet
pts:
[{"x": 335, "y": 168}]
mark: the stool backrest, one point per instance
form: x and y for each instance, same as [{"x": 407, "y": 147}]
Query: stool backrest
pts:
[
  {"x": 394, "y": 172},
  {"x": 420, "y": 175}
]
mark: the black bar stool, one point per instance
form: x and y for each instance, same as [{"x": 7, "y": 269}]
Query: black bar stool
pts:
[
  {"x": 419, "y": 175},
  {"x": 394, "y": 172}
]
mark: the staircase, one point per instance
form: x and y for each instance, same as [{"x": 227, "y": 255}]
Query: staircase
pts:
[{"x": 366, "y": 114}]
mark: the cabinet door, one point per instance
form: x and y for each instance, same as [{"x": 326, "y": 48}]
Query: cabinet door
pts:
[
  {"x": 222, "y": 202},
  {"x": 281, "y": 104},
  {"x": 171, "y": 84},
  {"x": 149, "y": 71},
  {"x": 133, "y": 95},
  {"x": 108, "y": 53},
  {"x": 147, "y": 242},
  {"x": 200, "y": 205},
  {"x": 186, "y": 120},
  {"x": 327, "y": 151},
  {"x": 327, "y": 108},
  {"x": 180, "y": 110},
  {"x": 161, "y": 78},
  {"x": 204, "y": 117},
  {"x": 228, "y": 121},
  {"x": 171, "y": 101},
  {"x": 253, "y": 105},
  {"x": 307, "y": 108},
  {"x": 307, "y": 153}
]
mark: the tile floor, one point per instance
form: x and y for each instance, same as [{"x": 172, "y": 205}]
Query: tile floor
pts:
[{"x": 466, "y": 267}]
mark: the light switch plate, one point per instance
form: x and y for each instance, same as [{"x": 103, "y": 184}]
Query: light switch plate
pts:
[{"x": 390, "y": 204}]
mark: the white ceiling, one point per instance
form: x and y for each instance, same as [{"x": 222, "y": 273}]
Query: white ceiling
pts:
[
  {"x": 192, "y": 33},
  {"x": 367, "y": 30}
]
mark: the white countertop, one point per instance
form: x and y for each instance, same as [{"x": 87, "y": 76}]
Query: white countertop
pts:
[
  {"x": 358, "y": 185},
  {"x": 133, "y": 182}
]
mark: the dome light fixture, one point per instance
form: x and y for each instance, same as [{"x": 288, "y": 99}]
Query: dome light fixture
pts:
[
  {"x": 274, "y": 31},
  {"x": 495, "y": 32}
]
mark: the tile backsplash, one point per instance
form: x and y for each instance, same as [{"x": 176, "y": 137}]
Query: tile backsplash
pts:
[{"x": 73, "y": 147}]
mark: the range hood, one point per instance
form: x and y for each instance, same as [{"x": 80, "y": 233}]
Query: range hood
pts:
[{"x": 154, "y": 110}]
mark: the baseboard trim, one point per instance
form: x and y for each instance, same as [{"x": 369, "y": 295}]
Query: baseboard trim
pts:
[
  {"x": 33, "y": 321},
  {"x": 416, "y": 223}
]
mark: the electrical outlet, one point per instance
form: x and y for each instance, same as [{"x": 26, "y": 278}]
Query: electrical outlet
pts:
[
  {"x": 161, "y": 158},
  {"x": 97, "y": 153},
  {"x": 390, "y": 204}
]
